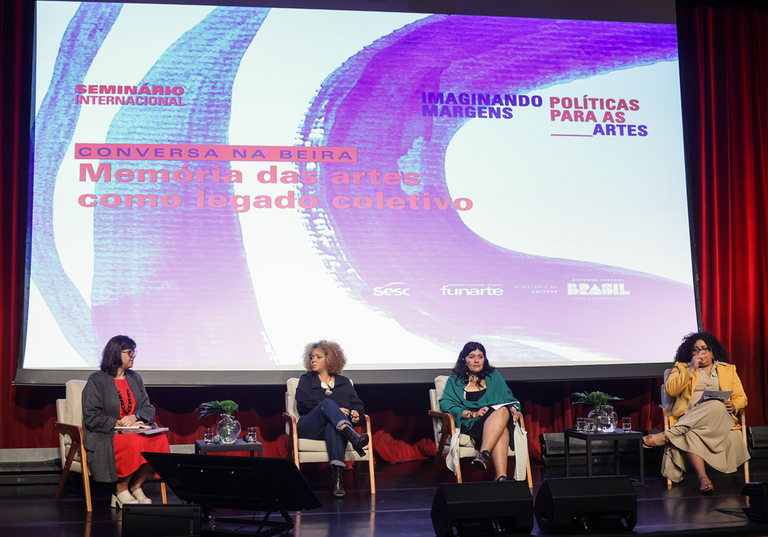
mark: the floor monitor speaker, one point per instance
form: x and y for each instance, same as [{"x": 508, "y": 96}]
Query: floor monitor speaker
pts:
[
  {"x": 142, "y": 520},
  {"x": 758, "y": 502},
  {"x": 478, "y": 509},
  {"x": 586, "y": 504}
]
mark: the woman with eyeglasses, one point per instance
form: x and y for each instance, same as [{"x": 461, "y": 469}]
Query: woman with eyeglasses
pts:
[
  {"x": 115, "y": 397},
  {"x": 700, "y": 431}
]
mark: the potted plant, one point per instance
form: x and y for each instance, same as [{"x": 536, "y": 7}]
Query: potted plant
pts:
[
  {"x": 599, "y": 401},
  {"x": 228, "y": 428}
]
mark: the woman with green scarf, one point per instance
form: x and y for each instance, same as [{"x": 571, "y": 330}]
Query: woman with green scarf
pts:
[{"x": 482, "y": 406}]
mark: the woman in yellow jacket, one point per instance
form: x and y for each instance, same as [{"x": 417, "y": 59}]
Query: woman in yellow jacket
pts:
[{"x": 700, "y": 431}]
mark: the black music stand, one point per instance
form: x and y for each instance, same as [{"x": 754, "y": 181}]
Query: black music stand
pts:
[{"x": 250, "y": 484}]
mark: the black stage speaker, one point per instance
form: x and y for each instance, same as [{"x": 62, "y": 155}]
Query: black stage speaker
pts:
[
  {"x": 577, "y": 504},
  {"x": 492, "y": 508},
  {"x": 758, "y": 502},
  {"x": 142, "y": 520}
]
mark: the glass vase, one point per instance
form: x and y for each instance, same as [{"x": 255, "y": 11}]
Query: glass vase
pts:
[
  {"x": 604, "y": 419},
  {"x": 228, "y": 429}
]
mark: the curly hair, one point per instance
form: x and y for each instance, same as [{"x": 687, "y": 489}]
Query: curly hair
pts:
[
  {"x": 334, "y": 356},
  {"x": 111, "y": 356},
  {"x": 684, "y": 351},
  {"x": 461, "y": 370}
]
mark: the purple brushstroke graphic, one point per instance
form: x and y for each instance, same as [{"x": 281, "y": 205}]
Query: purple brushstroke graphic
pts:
[
  {"x": 177, "y": 277},
  {"x": 373, "y": 102},
  {"x": 54, "y": 127}
]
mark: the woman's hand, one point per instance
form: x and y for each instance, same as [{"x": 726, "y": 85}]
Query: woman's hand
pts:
[
  {"x": 514, "y": 413},
  {"x": 730, "y": 407},
  {"x": 480, "y": 412},
  {"x": 354, "y": 416},
  {"x": 694, "y": 365},
  {"x": 129, "y": 421}
]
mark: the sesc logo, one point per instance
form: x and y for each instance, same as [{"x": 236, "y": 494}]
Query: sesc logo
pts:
[{"x": 392, "y": 289}]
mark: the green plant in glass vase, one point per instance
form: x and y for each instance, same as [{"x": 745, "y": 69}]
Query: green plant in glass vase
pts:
[
  {"x": 228, "y": 428},
  {"x": 598, "y": 400}
]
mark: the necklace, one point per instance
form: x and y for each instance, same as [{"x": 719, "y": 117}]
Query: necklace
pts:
[
  {"x": 126, "y": 411},
  {"x": 328, "y": 387}
]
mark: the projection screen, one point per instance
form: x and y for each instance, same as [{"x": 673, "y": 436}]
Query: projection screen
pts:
[{"x": 225, "y": 184}]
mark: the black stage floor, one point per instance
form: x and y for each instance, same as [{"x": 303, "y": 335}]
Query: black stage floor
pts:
[{"x": 401, "y": 506}]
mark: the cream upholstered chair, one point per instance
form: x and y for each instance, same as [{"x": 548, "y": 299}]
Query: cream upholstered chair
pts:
[
  {"x": 305, "y": 450},
  {"x": 667, "y": 402},
  {"x": 69, "y": 416},
  {"x": 444, "y": 428}
]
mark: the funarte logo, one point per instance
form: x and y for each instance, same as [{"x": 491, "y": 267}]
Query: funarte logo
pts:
[
  {"x": 471, "y": 290},
  {"x": 392, "y": 289},
  {"x": 614, "y": 289}
]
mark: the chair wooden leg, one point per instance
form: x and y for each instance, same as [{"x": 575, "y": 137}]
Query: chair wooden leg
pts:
[
  {"x": 528, "y": 471},
  {"x": 746, "y": 472},
  {"x": 458, "y": 472},
  {"x": 86, "y": 478},
  {"x": 371, "y": 465},
  {"x": 65, "y": 470},
  {"x": 163, "y": 492},
  {"x": 439, "y": 452},
  {"x": 743, "y": 422}
]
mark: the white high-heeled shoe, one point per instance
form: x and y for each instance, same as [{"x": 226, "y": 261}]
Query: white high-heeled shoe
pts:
[
  {"x": 140, "y": 496},
  {"x": 123, "y": 498}
]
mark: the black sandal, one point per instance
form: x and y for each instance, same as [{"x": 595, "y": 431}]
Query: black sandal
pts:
[{"x": 481, "y": 461}]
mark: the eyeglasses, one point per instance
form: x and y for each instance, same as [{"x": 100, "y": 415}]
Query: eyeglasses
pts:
[
  {"x": 130, "y": 352},
  {"x": 697, "y": 350}
]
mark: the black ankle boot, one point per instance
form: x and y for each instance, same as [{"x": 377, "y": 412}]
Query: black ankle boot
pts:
[
  {"x": 338, "y": 481},
  {"x": 358, "y": 442}
]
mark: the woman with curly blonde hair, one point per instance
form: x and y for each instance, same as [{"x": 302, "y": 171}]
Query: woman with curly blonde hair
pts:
[{"x": 329, "y": 406}]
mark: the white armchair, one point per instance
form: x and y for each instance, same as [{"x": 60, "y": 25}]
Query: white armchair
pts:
[
  {"x": 444, "y": 428},
  {"x": 305, "y": 450},
  {"x": 69, "y": 416}
]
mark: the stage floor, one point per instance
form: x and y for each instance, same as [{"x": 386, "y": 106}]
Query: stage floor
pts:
[{"x": 400, "y": 507}]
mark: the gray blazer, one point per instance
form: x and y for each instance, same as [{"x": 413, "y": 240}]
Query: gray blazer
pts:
[{"x": 101, "y": 410}]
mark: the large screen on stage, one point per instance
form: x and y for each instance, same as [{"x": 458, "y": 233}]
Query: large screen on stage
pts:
[{"x": 226, "y": 184}]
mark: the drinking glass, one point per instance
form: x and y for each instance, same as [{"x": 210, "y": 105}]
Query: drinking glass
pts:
[
  {"x": 590, "y": 425},
  {"x": 251, "y": 436},
  {"x": 208, "y": 435},
  {"x": 626, "y": 424},
  {"x": 605, "y": 423},
  {"x": 581, "y": 424}
]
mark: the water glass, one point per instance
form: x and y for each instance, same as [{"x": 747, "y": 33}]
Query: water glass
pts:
[
  {"x": 581, "y": 424},
  {"x": 589, "y": 425},
  {"x": 605, "y": 423},
  {"x": 251, "y": 436},
  {"x": 626, "y": 424},
  {"x": 208, "y": 434}
]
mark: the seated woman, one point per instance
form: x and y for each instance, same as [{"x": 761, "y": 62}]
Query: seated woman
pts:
[
  {"x": 329, "y": 406},
  {"x": 116, "y": 397},
  {"x": 700, "y": 431},
  {"x": 470, "y": 392}
]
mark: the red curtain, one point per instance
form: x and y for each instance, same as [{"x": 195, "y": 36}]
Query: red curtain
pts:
[
  {"x": 15, "y": 52},
  {"x": 724, "y": 68},
  {"x": 725, "y": 83}
]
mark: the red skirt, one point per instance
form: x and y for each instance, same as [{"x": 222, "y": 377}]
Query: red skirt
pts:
[{"x": 128, "y": 448}]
